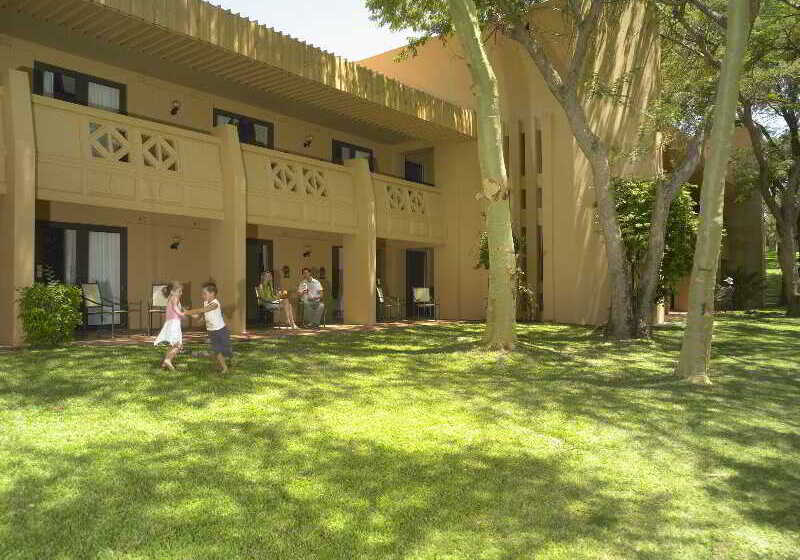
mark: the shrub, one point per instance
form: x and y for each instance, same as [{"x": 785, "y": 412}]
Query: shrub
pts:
[
  {"x": 527, "y": 303},
  {"x": 49, "y": 313},
  {"x": 634, "y": 201}
]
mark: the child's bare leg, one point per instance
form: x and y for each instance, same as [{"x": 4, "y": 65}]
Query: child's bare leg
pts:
[
  {"x": 221, "y": 361},
  {"x": 289, "y": 314},
  {"x": 171, "y": 353}
]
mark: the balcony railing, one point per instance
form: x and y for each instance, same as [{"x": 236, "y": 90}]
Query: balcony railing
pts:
[
  {"x": 407, "y": 211},
  {"x": 90, "y": 156},
  {"x": 299, "y": 192}
]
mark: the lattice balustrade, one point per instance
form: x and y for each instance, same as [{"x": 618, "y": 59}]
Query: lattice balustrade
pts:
[
  {"x": 284, "y": 176},
  {"x": 109, "y": 142},
  {"x": 159, "y": 152},
  {"x": 406, "y": 200},
  {"x": 315, "y": 182},
  {"x": 398, "y": 197},
  {"x": 416, "y": 202}
]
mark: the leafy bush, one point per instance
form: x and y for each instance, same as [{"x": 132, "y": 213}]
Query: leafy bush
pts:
[
  {"x": 49, "y": 313},
  {"x": 527, "y": 303},
  {"x": 748, "y": 288},
  {"x": 634, "y": 199}
]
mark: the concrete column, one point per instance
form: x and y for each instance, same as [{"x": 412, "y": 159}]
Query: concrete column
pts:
[
  {"x": 228, "y": 236},
  {"x": 359, "y": 251},
  {"x": 18, "y": 204}
]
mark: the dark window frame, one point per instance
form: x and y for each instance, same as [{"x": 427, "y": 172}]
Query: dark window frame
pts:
[
  {"x": 83, "y": 250},
  {"x": 81, "y": 86},
  {"x": 243, "y": 132},
  {"x": 539, "y": 152},
  {"x": 523, "y": 156},
  {"x": 336, "y": 154},
  {"x": 420, "y": 166}
]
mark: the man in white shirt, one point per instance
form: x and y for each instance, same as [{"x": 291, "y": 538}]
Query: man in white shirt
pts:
[{"x": 310, "y": 292}]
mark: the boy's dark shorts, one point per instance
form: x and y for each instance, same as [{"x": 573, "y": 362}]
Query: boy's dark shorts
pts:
[{"x": 220, "y": 341}]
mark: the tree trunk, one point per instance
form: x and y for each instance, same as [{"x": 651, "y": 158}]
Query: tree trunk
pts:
[
  {"x": 565, "y": 90},
  {"x": 651, "y": 269},
  {"x": 787, "y": 258},
  {"x": 620, "y": 319},
  {"x": 696, "y": 348},
  {"x": 501, "y": 305}
]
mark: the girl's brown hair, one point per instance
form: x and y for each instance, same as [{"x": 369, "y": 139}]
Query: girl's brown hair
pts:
[{"x": 171, "y": 287}]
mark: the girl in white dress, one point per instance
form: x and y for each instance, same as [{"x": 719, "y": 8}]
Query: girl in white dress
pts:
[{"x": 171, "y": 330}]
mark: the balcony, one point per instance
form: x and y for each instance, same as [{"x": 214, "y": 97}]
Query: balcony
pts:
[
  {"x": 90, "y": 156},
  {"x": 94, "y": 157},
  {"x": 298, "y": 192},
  {"x": 408, "y": 211}
]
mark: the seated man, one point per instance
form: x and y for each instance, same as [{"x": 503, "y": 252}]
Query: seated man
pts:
[{"x": 310, "y": 292}]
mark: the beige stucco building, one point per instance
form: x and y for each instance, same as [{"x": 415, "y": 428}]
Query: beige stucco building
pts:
[{"x": 118, "y": 164}]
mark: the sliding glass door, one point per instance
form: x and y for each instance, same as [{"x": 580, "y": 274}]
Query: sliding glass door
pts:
[{"x": 84, "y": 254}]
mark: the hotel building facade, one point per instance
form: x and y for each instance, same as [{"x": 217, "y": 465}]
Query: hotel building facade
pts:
[{"x": 119, "y": 164}]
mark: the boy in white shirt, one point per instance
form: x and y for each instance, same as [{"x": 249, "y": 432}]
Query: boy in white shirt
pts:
[{"x": 219, "y": 337}]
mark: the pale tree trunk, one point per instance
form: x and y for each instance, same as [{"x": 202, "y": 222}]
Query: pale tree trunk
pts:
[
  {"x": 501, "y": 304},
  {"x": 564, "y": 86},
  {"x": 787, "y": 257},
  {"x": 696, "y": 348},
  {"x": 783, "y": 201},
  {"x": 665, "y": 195}
]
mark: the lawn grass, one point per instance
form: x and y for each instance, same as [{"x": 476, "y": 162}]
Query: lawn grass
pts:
[
  {"x": 407, "y": 443},
  {"x": 772, "y": 295}
]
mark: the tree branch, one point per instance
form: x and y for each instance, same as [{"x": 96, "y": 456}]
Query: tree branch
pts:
[
  {"x": 763, "y": 165},
  {"x": 584, "y": 41}
]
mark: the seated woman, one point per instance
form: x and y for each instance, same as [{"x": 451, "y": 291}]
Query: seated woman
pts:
[{"x": 274, "y": 299}]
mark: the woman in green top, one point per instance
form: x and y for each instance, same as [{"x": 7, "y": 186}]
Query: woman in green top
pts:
[{"x": 274, "y": 299}]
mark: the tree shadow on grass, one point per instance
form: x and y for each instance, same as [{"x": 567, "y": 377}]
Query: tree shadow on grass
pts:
[
  {"x": 249, "y": 490},
  {"x": 339, "y": 496}
]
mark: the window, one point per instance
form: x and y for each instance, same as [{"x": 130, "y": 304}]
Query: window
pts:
[
  {"x": 415, "y": 172},
  {"x": 251, "y": 131},
  {"x": 74, "y": 87},
  {"x": 539, "y": 162},
  {"x": 522, "y": 154},
  {"x": 80, "y": 253},
  {"x": 343, "y": 151}
]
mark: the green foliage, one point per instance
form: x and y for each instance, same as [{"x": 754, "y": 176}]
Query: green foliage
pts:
[
  {"x": 748, "y": 287},
  {"x": 49, "y": 313},
  {"x": 526, "y": 294},
  {"x": 635, "y": 198}
]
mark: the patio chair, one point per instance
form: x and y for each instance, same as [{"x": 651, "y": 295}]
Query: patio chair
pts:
[
  {"x": 387, "y": 307},
  {"x": 424, "y": 304},
  {"x": 265, "y": 309},
  {"x": 94, "y": 304},
  {"x": 158, "y": 306}
]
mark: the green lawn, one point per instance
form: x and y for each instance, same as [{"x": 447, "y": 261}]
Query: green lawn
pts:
[
  {"x": 407, "y": 443},
  {"x": 772, "y": 297}
]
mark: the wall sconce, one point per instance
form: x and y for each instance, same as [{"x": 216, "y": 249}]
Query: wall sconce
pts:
[
  {"x": 308, "y": 141},
  {"x": 175, "y": 108},
  {"x": 176, "y": 243},
  {"x": 285, "y": 271},
  {"x": 322, "y": 273}
]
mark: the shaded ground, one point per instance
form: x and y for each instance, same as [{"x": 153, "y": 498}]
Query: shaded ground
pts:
[{"x": 406, "y": 443}]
